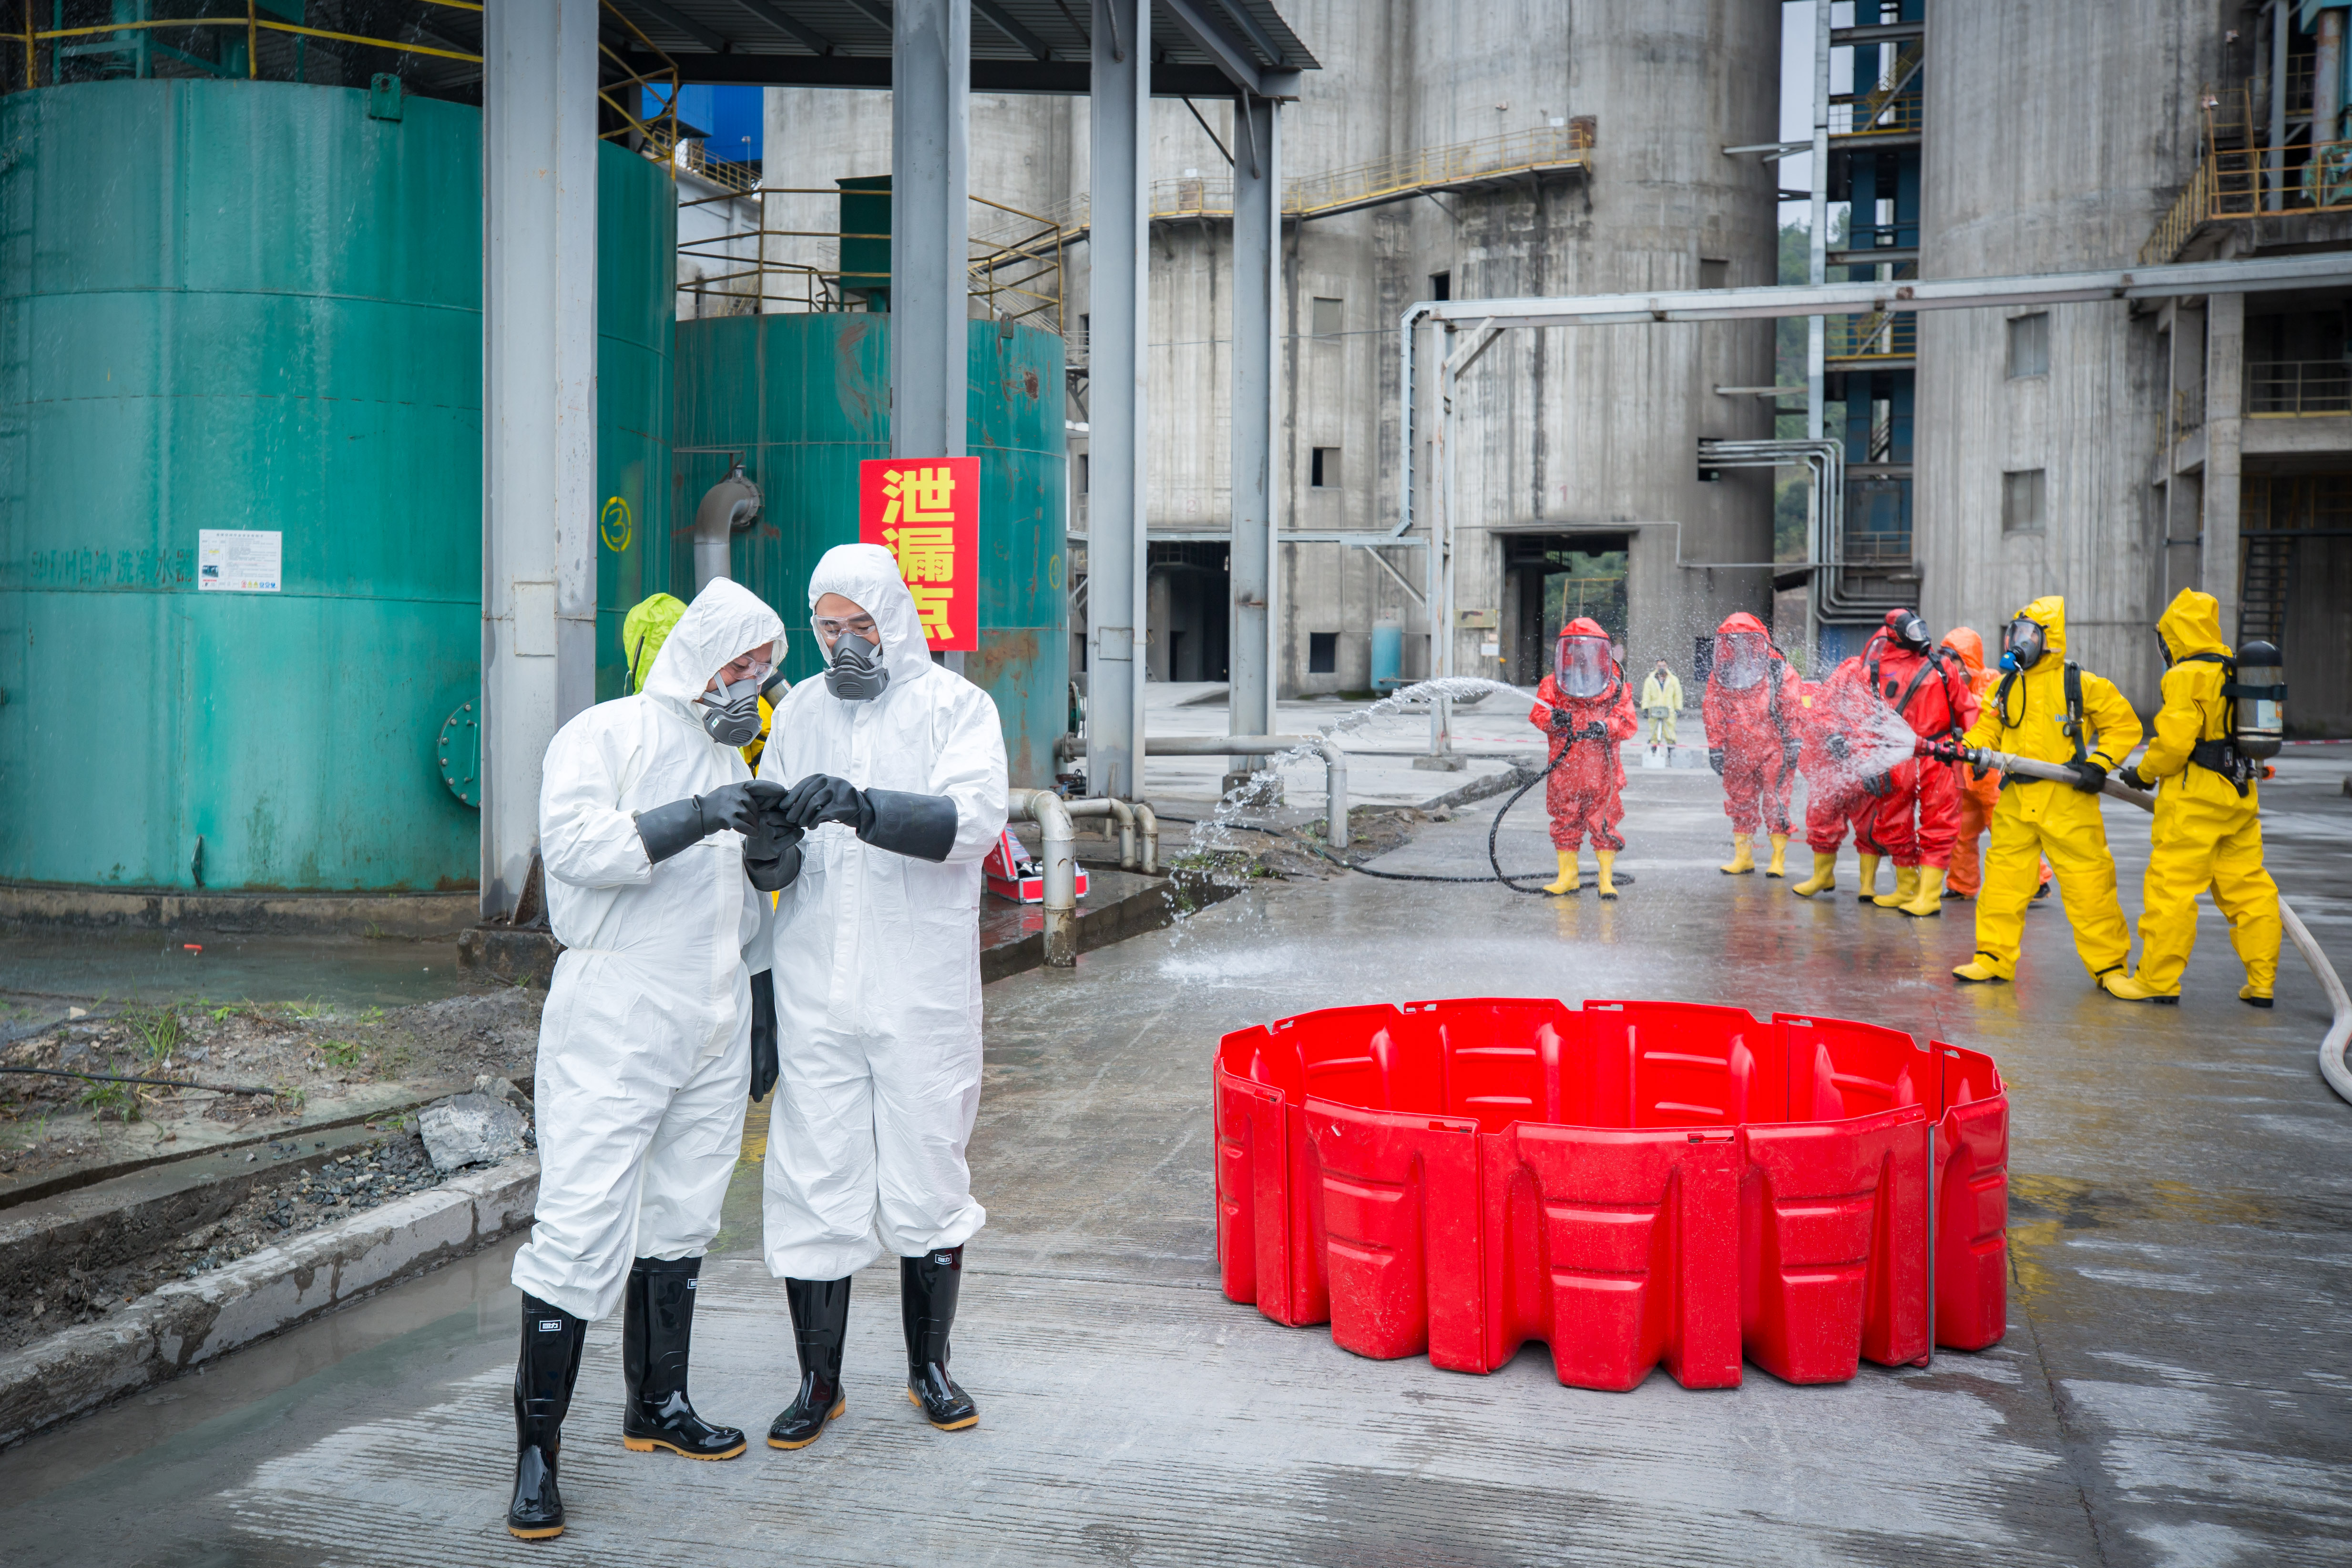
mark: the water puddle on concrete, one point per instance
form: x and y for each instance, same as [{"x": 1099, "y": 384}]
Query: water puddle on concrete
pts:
[{"x": 205, "y": 1430}]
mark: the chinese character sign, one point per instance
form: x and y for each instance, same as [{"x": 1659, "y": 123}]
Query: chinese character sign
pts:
[{"x": 926, "y": 512}]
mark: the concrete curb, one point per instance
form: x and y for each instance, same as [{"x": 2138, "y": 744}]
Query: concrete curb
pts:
[
  {"x": 309, "y": 914},
  {"x": 192, "y": 1321}
]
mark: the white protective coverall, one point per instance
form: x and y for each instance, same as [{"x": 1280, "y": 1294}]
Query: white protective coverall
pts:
[
  {"x": 877, "y": 957},
  {"x": 645, "y": 1047}
]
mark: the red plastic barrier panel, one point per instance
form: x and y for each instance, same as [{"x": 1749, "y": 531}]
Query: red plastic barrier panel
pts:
[{"x": 1632, "y": 1184}]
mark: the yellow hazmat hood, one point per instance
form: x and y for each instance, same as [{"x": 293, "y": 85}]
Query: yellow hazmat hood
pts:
[
  {"x": 2050, "y": 612},
  {"x": 2192, "y": 624}
]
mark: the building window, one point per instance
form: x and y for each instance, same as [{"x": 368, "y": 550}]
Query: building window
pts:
[
  {"x": 1082, "y": 473},
  {"x": 1322, "y": 652},
  {"x": 1084, "y": 323},
  {"x": 1441, "y": 285},
  {"x": 1325, "y": 318},
  {"x": 1323, "y": 470},
  {"x": 2029, "y": 344},
  {"x": 1713, "y": 274},
  {"x": 2023, "y": 494}
]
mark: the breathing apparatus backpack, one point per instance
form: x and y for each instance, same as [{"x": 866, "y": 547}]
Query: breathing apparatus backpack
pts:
[{"x": 2254, "y": 730}]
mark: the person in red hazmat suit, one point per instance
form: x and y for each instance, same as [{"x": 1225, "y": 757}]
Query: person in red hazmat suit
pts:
[
  {"x": 1586, "y": 708},
  {"x": 1978, "y": 795},
  {"x": 1919, "y": 819},
  {"x": 1837, "y": 723},
  {"x": 1751, "y": 714}
]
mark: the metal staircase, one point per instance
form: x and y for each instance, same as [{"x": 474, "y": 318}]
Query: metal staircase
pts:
[{"x": 2263, "y": 585}]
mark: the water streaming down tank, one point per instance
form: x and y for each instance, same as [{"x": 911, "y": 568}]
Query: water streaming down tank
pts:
[
  {"x": 255, "y": 308},
  {"x": 801, "y": 400}
]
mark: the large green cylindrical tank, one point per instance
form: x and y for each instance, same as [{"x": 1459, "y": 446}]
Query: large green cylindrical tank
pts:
[
  {"x": 636, "y": 327},
  {"x": 251, "y": 307},
  {"x": 802, "y": 399}
]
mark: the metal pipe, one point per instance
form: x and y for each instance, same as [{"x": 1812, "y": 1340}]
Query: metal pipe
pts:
[
  {"x": 2332, "y": 1064},
  {"x": 1335, "y": 766},
  {"x": 1106, "y": 806},
  {"x": 726, "y": 509},
  {"x": 1044, "y": 807},
  {"x": 2327, "y": 80},
  {"x": 2275, "y": 160},
  {"x": 1149, "y": 825}
]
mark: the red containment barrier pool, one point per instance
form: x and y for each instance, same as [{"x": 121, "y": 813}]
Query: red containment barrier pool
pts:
[{"x": 1630, "y": 1183}]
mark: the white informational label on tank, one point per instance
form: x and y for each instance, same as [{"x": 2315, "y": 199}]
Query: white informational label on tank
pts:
[{"x": 238, "y": 560}]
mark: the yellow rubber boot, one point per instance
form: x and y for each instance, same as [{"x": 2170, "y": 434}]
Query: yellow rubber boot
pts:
[
  {"x": 1568, "y": 882},
  {"x": 1928, "y": 898},
  {"x": 1780, "y": 863},
  {"x": 2253, "y": 996},
  {"x": 1977, "y": 971},
  {"x": 2130, "y": 988},
  {"x": 1907, "y": 888},
  {"x": 1822, "y": 881},
  {"x": 1743, "y": 856},
  {"x": 1607, "y": 858},
  {"x": 1869, "y": 877}
]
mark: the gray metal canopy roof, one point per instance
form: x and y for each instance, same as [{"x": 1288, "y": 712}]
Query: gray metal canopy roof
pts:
[{"x": 1202, "y": 48}]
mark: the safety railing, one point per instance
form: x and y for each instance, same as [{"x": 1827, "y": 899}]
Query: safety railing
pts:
[
  {"x": 1888, "y": 335},
  {"x": 1017, "y": 278},
  {"x": 224, "y": 41},
  {"x": 1194, "y": 195},
  {"x": 2298, "y": 388},
  {"x": 741, "y": 178},
  {"x": 1905, "y": 114},
  {"x": 2239, "y": 183}
]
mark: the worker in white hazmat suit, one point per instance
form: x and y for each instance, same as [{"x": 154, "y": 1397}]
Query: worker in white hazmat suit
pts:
[
  {"x": 656, "y": 844},
  {"x": 896, "y": 768}
]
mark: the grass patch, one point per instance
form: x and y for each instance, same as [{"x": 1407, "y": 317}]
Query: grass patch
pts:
[{"x": 157, "y": 1030}]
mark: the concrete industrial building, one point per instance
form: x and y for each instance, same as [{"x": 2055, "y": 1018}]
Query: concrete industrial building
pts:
[{"x": 1495, "y": 152}]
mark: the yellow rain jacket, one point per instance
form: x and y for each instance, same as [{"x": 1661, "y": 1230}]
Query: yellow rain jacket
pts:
[
  {"x": 2026, "y": 713},
  {"x": 2206, "y": 834}
]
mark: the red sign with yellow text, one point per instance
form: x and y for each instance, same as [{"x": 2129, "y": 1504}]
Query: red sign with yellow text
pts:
[{"x": 926, "y": 512}]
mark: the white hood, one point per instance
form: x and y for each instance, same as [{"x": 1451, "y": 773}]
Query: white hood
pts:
[
  {"x": 725, "y": 622},
  {"x": 867, "y": 575}
]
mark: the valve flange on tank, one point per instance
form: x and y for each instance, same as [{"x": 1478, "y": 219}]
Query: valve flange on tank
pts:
[{"x": 726, "y": 509}]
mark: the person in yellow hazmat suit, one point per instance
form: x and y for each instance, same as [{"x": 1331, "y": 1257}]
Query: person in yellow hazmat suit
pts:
[
  {"x": 2048, "y": 708},
  {"x": 2209, "y": 825},
  {"x": 1662, "y": 700},
  {"x": 644, "y": 630}
]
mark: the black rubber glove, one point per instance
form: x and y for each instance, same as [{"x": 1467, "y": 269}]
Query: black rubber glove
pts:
[
  {"x": 821, "y": 798},
  {"x": 667, "y": 829},
  {"x": 1715, "y": 758},
  {"x": 2089, "y": 777},
  {"x": 1559, "y": 723},
  {"x": 772, "y": 857},
  {"x": 763, "y": 1034},
  {"x": 1834, "y": 744},
  {"x": 1880, "y": 784},
  {"x": 2135, "y": 779},
  {"x": 1595, "y": 730},
  {"x": 921, "y": 827}
]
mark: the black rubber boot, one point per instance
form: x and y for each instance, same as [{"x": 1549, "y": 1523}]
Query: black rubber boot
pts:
[
  {"x": 656, "y": 1332},
  {"x": 544, "y": 1375},
  {"x": 927, "y": 1299},
  {"x": 820, "y": 1326}
]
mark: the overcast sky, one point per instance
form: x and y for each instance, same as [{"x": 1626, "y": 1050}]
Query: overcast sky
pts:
[{"x": 1797, "y": 92}]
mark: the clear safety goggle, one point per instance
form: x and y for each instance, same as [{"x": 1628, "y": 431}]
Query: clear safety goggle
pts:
[
  {"x": 831, "y": 627},
  {"x": 750, "y": 670}
]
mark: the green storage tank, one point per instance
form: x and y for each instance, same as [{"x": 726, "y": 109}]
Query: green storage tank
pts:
[
  {"x": 249, "y": 307},
  {"x": 802, "y": 399}
]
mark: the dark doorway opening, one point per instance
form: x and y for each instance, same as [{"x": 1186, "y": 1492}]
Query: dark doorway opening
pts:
[
  {"x": 1550, "y": 579},
  {"x": 1191, "y": 603}
]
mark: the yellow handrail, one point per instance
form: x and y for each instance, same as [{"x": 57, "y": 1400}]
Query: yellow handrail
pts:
[{"x": 250, "y": 23}]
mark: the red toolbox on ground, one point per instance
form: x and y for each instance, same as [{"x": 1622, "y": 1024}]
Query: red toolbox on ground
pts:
[
  {"x": 1012, "y": 874},
  {"x": 1630, "y": 1183}
]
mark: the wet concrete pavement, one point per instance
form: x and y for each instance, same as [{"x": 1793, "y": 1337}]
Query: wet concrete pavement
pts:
[{"x": 2170, "y": 1390}]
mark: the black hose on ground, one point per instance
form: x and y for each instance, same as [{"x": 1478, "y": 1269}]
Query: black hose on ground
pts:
[{"x": 1622, "y": 878}]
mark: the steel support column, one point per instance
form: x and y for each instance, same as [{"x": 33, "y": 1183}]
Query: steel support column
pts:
[
  {"x": 1120, "y": 110},
  {"x": 539, "y": 405},
  {"x": 1257, "y": 295},
  {"x": 1817, "y": 269},
  {"x": 931, "y": 120}
]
